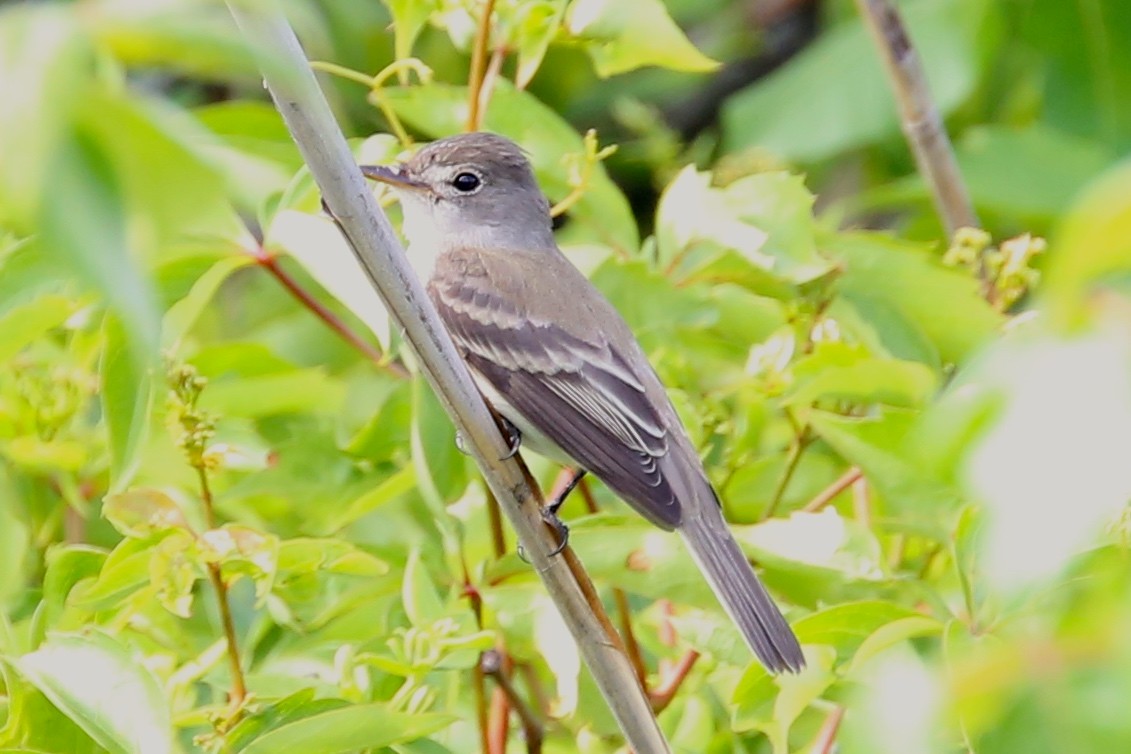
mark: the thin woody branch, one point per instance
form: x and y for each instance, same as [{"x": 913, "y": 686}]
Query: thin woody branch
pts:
[
  {"x": 319, "y": 139},
  {"x": 919, "y": 116}
]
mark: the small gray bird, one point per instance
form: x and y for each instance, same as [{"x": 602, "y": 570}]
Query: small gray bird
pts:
[{"x": 559, "y": 363}]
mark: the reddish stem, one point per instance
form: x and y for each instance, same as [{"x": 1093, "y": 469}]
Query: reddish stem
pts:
[
  {"x": 270, "y": 262},
  {"x": 827, "y": 495}
]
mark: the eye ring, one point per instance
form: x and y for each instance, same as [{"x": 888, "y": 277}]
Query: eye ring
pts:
[{"x": 466, "y": 182}]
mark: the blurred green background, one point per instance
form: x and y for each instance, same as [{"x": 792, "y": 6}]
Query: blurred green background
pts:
[{"x": 931, "y": 470}]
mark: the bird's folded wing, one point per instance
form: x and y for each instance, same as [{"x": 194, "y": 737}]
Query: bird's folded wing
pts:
[{"x": 579, "y": 392}]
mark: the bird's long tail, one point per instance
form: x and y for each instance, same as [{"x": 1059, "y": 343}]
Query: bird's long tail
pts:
[{"x": 741, "y": 593}]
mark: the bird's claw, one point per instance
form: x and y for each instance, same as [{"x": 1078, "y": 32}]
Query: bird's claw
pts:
[
  {"x": 514, "y": 440},
  {"x": 550, "y": 517}
]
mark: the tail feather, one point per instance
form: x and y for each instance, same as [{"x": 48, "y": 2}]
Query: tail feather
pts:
[{"x": 738, "y": 589}]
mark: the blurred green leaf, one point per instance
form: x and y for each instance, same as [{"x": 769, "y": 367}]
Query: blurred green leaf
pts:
[
  {"x": 75, "y": 671},
  {"x": 347, "y": 729},
  {"x": 893, "y": 633},
  {"x": 849, "y": 625},
  {"x": 126, "y": 391},
  {"x": 142, "y": 511},
  {"x": 43, "y": 54},
  {"x": 848, "y": 101},
  {"x": 879, "y": 446},
  {"x": 318, "y": 245},
  {"x": 885, "y": 278},
  {"x": 1092, "y": 242},
  {"x": 284, "y": 392},
  {"x": 536, "y": 25},
  {"x": 441, "y": 469},
  {"x": 24, "y": 324},
  {"x": 183, "y": 314},
  {"x": 621, "y": 35},
  {"x": 400, "y": 483},
  {"x": 838, "y": 372},
  {"x": 422, "y": 603},
  {"x": 1030, "y": 174},
  {"x": 767, "y": 218}
]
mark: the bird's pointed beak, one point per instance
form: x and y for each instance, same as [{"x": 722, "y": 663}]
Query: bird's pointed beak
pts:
[{"x": 393, "y": 176}]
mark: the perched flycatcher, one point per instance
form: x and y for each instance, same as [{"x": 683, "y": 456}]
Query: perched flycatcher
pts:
[{"x": 558, "y": 362}]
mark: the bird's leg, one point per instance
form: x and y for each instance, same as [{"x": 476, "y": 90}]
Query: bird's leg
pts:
[
  {"x": 550, "y": 515},
  {"x": 559, "y": 500},
  {"x": 550, "y": 512}
]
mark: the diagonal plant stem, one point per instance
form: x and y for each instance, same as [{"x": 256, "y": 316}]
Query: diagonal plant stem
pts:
[
  {"x": 479, "y": 68},
  {"x": 827, "y": 495},
  {"x": 312, "y": 125},
  {"x": 239, "y": 684},
  {"x": 270, "y": 263},
  {"x": 919, "y": 116}
]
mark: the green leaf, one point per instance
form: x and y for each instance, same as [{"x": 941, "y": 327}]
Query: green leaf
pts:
[
  {"x": 360, "y": 726},
  {"x": 758, "y": 708},
  {"x": 893, "y": 633},
  {"x": 182, "y": 315},
  {"x": 173, "y": 572},
  {"x": 880, "y": 446},
  {"x": 441, "y": 469},
  {"x": 839, "y": 372},
  {"x": 422, "y": 602},
  {"x": 1091, "y": 243},
  {"x": 21, "y": 325},
  {"x": 409, "y": 17},
  {"x": 621, "y": 35},
  {"x": 143, "y": 511},
  {"x": 536, "y": 25},
  {"x": 124, "y": 571},
  {"x": 849, "y": 625},
  {"x": 389, "y": 489},
  {"x": 1031, "y": 173},
  {"x": 317, "y": 244},
  {"x": 84, "y": 224},
  {"x": 299, "y": 390},
  {"x": 848, "y": 101},
  {"x": 126, "y": 393},
  {"x": 67, "y": 565},
  {"x": 196, "y": 39},
  {"x": 883, "y": 277},
  {"x": 44, "y": 60},
  {"x": 76, "y": 671},
  {"x": 767, "y": 218},
  {"x": 601, "y": 216},
  {"x": 15, "y": 543}
]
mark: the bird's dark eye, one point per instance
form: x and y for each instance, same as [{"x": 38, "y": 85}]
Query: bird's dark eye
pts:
[{"x": 466, "y": 182}]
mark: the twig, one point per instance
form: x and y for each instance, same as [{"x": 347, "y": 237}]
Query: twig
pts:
[
  {"x": 308, "y": 117},
  {"x": 826, "y": 737},
  {"x": 481, "y": 712},
  {"x": 663, "y": 694},
  {"x": 920, "y": 118},
  {"x": 796, "y": 448},
  {"x": 861, "y": 502},
  {"x": 491, "y": 77},
  {"x": 478, "y": 66},
  {"x": 826, "y": 496},
  {"x": 495, "y": 664},
  {"x": 495, "y": 519},
  {"x": 239, "y": 684},
  {"x": 630, "y": 644},
  {"x": 270, "y": 262}
]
